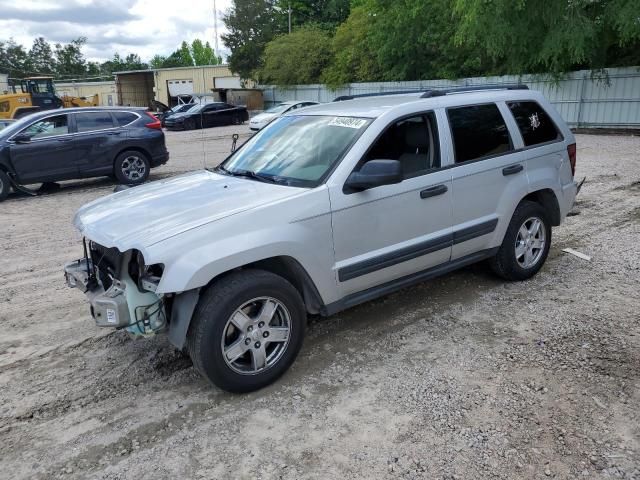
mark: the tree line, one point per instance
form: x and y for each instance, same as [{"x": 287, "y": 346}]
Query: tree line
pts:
[
  {"x": 341, "y": 41},
  {"x": 66, "y": 61}
]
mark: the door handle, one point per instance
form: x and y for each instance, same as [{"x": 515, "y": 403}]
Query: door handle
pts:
[
  {"x": 511, "y": 170},
  {"x": 64, "y": 139},
  {"x": 433, "y": 191}
]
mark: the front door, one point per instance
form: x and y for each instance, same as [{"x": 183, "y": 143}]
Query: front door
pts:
[
  {"x": 391, "y": 231},
  {"x": 48, "y": 155}
]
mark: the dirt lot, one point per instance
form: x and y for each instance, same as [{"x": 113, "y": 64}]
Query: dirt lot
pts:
[{"x": 462, "y": 377}]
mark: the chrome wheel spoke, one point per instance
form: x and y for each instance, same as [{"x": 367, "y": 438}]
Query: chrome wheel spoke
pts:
[
  {"x": 240, "y": 320},
  {"x": 528, "y": 256},
  {"x": 537, "y": 244},
  {"x": 258, "y": 358},
  {"x": 278, "y": 334},
  {"x": 523, "y": 233},
  {"x": 235, "y": 351},
  {"x": 520, "y": 250},
  {"x": 267, "y": 311}
]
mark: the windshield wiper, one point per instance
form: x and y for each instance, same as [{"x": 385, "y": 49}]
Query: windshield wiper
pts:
[{"x": 250, "y": 174}]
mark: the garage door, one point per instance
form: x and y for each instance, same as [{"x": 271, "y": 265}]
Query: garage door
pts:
[{"x": 179, "y": 87}]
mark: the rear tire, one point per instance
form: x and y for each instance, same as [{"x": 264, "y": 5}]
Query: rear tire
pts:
[
  {"x": 189, "y": 124},
  {"x": 247, "y": 330},
  {"x": 235, "y": 120},
  {"x": 131, "y": 167},
  {"x": 5, "y": 185},
  {"x": 526, "y": 243}
]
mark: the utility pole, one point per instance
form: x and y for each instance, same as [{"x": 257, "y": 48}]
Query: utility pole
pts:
[
  {"x": 215, "y": 28},
  {"x": 289, "y": 16}
]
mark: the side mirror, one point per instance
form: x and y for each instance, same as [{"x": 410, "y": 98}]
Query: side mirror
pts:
[
  {"x": 375, "y": 173},
  {"x": 22, "y": 138}
]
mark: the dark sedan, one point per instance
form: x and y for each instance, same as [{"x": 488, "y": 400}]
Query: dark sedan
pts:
[
  {"x": 55, "y": 145},
  {"x": 204, "y": 115}
]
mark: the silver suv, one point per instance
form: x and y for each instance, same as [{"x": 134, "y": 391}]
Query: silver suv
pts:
[{"x": 326, "y": 208}]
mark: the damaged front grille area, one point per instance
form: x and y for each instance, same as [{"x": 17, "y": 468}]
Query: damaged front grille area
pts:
[{"x": 107, "y": 263}]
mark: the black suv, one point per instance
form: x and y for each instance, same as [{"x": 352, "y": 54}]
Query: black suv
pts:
[{"x": 122, "y": 142}]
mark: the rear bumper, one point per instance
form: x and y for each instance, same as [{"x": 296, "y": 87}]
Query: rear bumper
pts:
[{"x": 159, "y": 159}]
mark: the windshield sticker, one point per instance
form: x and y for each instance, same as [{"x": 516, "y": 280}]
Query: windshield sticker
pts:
[{"x": 348, "y": 122}]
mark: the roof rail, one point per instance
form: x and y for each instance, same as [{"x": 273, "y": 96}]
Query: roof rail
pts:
[
  {"x": 377, "y": 94},
  {"x": 473, "y": 88},
  {"x": 439, "y": 92}
]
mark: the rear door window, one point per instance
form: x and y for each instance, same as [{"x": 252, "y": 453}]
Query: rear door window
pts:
[
  {"x": 534, "y": 123},
  {"x": 478, "y": 131},
  {"x": 124, "y": 118},
  {"x": 92, "y": 121}
]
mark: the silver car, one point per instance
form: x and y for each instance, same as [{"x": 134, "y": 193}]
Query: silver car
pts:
[{"x": 324, "y": 209}]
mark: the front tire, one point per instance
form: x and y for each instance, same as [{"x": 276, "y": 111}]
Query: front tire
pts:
[
  {"x": 131, "y": 167},
  {"x": 526, "y": 243},
  {"x": 247, "y": 330},
  {"x": 5, "y": 185}
]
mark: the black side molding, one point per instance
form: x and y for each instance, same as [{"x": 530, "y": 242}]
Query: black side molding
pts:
[
  {"x": 404, "y": 282},
  {"x": 414, "y": 251}
]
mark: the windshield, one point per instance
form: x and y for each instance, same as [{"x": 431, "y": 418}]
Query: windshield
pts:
[
  {"x": 297, "y": 150},
  {"x": 16, "y": 126},
  {"x": 279, "y": 108}
]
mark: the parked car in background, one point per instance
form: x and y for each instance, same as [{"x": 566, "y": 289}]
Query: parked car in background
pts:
[
  {"x": 123, "y": 142},
  {"x": 163, "y": 115},
  {"x": 5, "y": 122},
  {"x": 326, "y": 208},
  {"x": 265, "y": 118},
  {"x": 205, "y": 115}
]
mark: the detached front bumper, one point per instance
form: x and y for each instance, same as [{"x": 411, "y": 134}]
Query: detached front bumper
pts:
[{"x": 122, "y": 305}]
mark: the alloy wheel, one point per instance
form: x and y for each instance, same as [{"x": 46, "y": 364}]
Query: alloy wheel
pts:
[
  {"x": 256, "y": 335},
  {"x": 530, "y": 242},
  {"x": 133, "y": 168}
]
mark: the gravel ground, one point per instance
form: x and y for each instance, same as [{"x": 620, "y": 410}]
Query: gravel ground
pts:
[{"x": 462, "y": 377}]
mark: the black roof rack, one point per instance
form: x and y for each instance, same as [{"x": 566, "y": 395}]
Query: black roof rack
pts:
[
  {"x": 439, "y": 92},
  {"x": 377, "y": 94},
  {"x": 473, "y": 88}
]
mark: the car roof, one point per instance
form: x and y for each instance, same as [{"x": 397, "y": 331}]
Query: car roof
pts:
[
  {"x": 375, "y": 106},
  {"x": 62, "y": 111}
]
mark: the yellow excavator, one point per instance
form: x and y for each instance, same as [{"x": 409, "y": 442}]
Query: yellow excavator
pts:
[{"x": 34, "y": 94}]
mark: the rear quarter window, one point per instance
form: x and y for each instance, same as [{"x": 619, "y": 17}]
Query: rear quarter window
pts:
[
  {"x": 124, "y": 118},
  {"x": 478, "y": 131},
  {"x": 534, "y": 123}
]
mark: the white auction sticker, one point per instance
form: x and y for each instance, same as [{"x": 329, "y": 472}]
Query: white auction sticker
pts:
[
  {"x": 111, "y": 316},
  {"x": 348, "y": 122}
]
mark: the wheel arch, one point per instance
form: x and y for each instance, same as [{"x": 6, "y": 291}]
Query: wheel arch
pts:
[
  {"x": 184, "y": 304},
  {"x": 549, "y": 201}
]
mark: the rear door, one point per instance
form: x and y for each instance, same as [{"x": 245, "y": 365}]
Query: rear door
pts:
[
  {"x": 96, "y": 142},
  {"x": 488, "y": 174},
  {"x": 49, "y": 155}
]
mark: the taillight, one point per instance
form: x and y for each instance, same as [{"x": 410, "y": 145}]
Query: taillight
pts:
[
  {"x": 571, "y": 150},
  {"x": 155, "y": 123}
]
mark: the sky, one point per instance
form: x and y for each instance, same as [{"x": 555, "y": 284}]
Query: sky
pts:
[{"x": 145, "y": 27}]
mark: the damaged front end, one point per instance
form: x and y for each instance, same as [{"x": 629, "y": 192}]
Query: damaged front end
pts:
[{"x": 120, "y": 288}]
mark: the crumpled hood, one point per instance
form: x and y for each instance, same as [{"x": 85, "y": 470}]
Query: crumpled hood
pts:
[{"x": 142, "y": 216}]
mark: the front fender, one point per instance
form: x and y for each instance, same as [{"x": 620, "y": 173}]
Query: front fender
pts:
[{"x": 201, "y": 256}]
